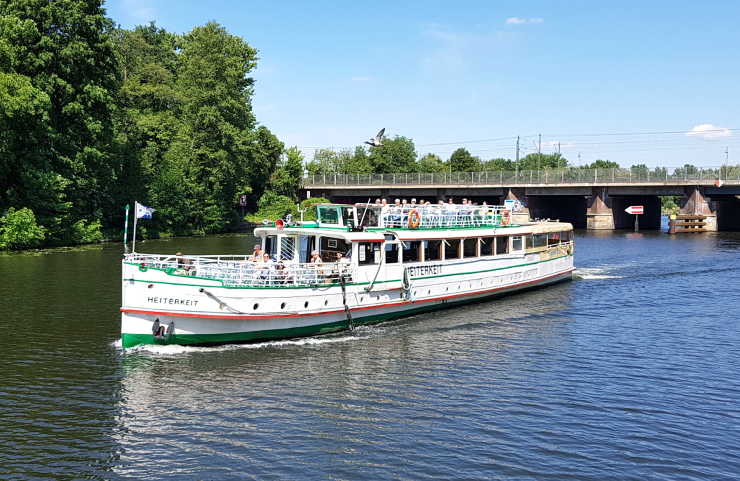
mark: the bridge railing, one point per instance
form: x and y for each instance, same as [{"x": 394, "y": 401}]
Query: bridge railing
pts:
[{"x": 544, "y": 176}]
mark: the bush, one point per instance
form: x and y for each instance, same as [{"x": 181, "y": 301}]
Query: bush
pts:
[
  {"x": 84, "y": 233},
  {"x": 308, "y": 207},
  {"x": 272, "y": 206},
  {"x": 18, "y": 230}
]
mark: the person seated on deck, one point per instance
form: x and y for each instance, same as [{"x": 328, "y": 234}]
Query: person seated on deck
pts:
[
  {"x": 266, "y": 267},
  {"x": 184, "y": 265},
  {"x": 256, "y": 254}
]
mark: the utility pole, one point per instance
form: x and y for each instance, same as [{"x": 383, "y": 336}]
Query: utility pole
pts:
[
  {"x": 558, "y": 148},
  {"x": 727, "y": 155},
  {"x": 539, "y": 144},
  {"x": 516, "y": 164},
  {"x": 579, "y": 159}
]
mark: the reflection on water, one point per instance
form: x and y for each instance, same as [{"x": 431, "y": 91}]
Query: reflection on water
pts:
[{"x": 629, "y": 372}]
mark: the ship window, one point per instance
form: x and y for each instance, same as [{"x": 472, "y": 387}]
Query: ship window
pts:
[
  {"x": 487, "y": 246},
  {"x": 271, "y": 245},
  {"x": 368, "y": 253},
  {"x": 391, "y": 251},
  {"x": 328, "y": 215},
  {"x": 307, "y": 244},
  {"x": 517, "y": 243},
  {"x": 287, "y": 248},
  {"x": 348, "y": 216},
  {"x": 432, "y": 250},
  {"x": 502, "y": 245},
  {"x": 452, "y": 249},
  {"x": 565, "y": 236},
  {"x": 330, "y": 246},
  {"x": 470, "y": 247},
  {"x": 539, "y": 240},
  {"x": 411, "y": 251},
  {"x": 553, "y": 238},
  {"x": 371, "y": 216}
]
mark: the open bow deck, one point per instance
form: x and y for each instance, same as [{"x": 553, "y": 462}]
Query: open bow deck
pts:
[{"x": 354, "y": 265}]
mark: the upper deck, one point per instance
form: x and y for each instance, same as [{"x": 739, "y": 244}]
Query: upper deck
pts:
[{"x": 360, "y": 221}]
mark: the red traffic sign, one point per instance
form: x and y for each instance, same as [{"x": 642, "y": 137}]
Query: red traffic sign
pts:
[{"x": 635, "y": 209}]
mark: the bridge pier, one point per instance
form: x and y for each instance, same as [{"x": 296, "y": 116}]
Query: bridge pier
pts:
[
  {"x": 694, "y": 202},
  {"x": 599, "y": 213}
]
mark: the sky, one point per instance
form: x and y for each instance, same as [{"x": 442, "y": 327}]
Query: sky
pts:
[{"x": 653, "y": 82}]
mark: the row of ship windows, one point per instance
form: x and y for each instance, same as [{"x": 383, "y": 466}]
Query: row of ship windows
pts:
[{"x": 439, "y": 249}]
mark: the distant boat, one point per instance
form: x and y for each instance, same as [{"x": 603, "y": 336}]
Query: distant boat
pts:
[{"x": 377, "y": 263}]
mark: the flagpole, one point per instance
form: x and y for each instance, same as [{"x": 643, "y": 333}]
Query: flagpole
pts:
[
  {"x": 136, "y": 216},
  {"x": 125, "y": 231}
]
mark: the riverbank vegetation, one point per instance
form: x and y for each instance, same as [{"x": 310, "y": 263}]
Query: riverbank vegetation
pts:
[{"x": 93, "y": 117}]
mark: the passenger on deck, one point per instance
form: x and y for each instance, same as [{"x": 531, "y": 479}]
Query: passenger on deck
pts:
[
  {"x": 315, "y": 257},
  {"x": 256, "y": 254}
]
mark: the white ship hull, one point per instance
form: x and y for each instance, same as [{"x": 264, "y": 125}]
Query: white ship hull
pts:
[{"x": 193, "y": 310}]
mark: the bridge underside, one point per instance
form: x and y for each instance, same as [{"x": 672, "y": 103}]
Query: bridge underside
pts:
[{"x": 583, "y": 206}]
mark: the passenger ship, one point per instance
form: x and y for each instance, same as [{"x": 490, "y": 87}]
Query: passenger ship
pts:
[{"x": 396, "y": 261}]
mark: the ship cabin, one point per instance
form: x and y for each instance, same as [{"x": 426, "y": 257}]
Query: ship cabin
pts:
[{"x": 365, "y": 244}]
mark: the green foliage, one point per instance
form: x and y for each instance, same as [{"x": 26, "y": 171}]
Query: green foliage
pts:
[
  {"x": 462, "y": 161},
  {"x": 18, "y": 230},
  {"x": 327, "y": 161},
  {"x": 273, "y": 206},
  {"x": 308, "y": 207},
  {"x": 602, "y": 164},
  {"x": 498, "y": 164},
  {"x": 395, "y": 155},
  {"x": 431, "y": 163},
  {"x": 286, "y": 180},
  {"x": 84, "y": 232},
  {"x": 670, "y": 204},
  {"x": 58, "y": 77}
]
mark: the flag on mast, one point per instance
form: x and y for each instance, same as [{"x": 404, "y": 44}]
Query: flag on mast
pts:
[{"x": 143, "y": 212}]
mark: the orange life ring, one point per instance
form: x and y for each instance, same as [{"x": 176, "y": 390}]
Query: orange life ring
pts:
[
  {"x": 414, "y": 219},
  {"x": 505, "y": 217}
]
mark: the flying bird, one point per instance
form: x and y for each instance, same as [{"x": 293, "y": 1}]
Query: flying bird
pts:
[{"x": 377, "y": 141}]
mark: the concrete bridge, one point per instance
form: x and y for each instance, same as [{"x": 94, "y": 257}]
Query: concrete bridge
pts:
[{"x": 588, "y": 198}]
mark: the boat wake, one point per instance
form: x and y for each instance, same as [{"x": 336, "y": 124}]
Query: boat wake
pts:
[
  {"x": 173, "y": 349},
  {"x": 595, "y": 273}
]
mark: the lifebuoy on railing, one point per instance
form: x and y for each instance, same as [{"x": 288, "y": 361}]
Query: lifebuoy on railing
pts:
[
  {"x": 414, "y": 219},
  {"x": 505, "y": 217}
]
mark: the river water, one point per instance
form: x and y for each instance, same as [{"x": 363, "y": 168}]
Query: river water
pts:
[{"x": 629, "y": 372}]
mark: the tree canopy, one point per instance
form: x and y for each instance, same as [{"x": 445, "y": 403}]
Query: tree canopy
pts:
[{"x": 93, "y": 117}]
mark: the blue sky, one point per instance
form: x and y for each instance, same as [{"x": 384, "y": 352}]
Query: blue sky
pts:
[{"x": 331, "y": 74}]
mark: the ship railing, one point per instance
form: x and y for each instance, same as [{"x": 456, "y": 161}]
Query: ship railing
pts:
[
  {"x": 240, "y": 271},
  {"x": 439, "y": 216}
]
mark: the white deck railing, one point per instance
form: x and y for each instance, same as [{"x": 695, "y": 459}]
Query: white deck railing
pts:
[
  {"x": 240, "y": 271},
  {"x": 438, "y": 216}
]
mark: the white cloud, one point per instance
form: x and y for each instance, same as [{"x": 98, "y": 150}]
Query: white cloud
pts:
[
  {"x": 361, "y": 78},
  {"x": 708, "y": 131},
  {"x": 523, "y": 21}
]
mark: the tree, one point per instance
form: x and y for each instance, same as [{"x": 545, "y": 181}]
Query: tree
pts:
[
  {"x": 395, "y": 155},
  {"x": 602, "y": 164},
  {"x": 223, "y": 154},
  {"x": 59, "y": 55},
  {"x": 358, "y": 162},
  {"x": 498, "y": 164},
  {"x": 462, "y": 161},
  {"x": 537, "y": 161},
  {"x": 431, "y": 163},
  {"x": 286, "y": 180},
  {"x": 146, "y": 124}
]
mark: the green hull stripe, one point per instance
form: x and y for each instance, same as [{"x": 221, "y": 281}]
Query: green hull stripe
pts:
[
  {"x": 320, "y": 285},
  {"x": 131, "y": 340}
]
